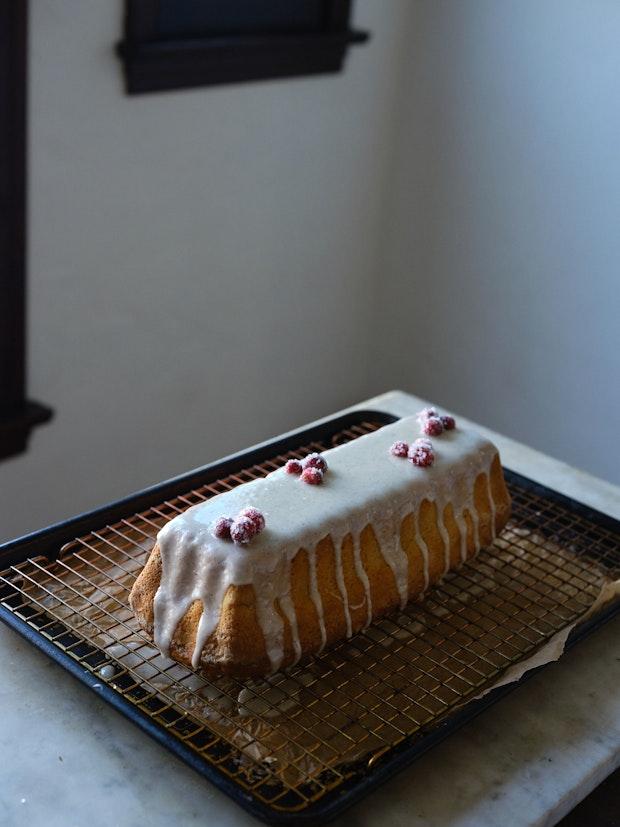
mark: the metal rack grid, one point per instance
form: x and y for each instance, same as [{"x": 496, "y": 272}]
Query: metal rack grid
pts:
[{"x": 290, "y": 740}]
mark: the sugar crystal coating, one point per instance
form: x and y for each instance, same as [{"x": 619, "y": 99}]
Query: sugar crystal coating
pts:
[
  {"x": 421, "y": 453},
  {"x": 315, "y": 461},
  {"x": 242, "y": 530},
  {"x": 293, "y": 466},
  {"x": 433, "y": 426},
  {"x": 221, "y": 528},
  {"x": 256, "y": 516},
  {"x": 312, "y": 475},
  {"x": 399, "y": 449},
  {"x": 425, "y": 414}
]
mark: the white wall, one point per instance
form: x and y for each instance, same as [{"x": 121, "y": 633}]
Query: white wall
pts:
[
  {"x": 210, "y": 267},
  {"x": 200, "y": 261},
  {"x": 503, "y": 234}
]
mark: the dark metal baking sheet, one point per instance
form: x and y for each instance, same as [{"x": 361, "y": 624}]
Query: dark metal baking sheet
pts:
[{"x": 49, "y": 541}]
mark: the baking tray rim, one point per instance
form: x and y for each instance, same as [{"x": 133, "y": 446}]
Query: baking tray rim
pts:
[{"x": 345, "y": 795}]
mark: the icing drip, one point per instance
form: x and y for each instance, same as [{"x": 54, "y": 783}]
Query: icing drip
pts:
[
  {"x": 424, "y": 549},
  {"x": 342, "y": 587},
  {"x": 286, "y": 604},
  {"x": 271, "y": 623},
  {"x": 364, "y": 486},
  {"x": 462, "y": 526},
  {"x": 361, "y": 573},
  {"x": 443, "y": 531},
  {"x": 212, "y": 583},
  {"x": 315, "y": 594},
  {"x": 473, "y": 513},
  {"x": 387, "y": 532}
]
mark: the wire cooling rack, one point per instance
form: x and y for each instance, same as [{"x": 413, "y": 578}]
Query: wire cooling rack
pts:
[{"x": 306, "y": 743}]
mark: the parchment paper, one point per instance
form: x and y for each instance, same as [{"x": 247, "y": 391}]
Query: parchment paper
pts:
[{"x": 554, "y": 648}]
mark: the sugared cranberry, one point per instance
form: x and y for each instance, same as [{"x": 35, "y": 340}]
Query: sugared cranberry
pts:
[
  {"x": 242, "y": 530},
  {"x": 221, "y": 528},
  {"x": 421, "y": 453},
  {"x": 312, "y": 475},
  {"x": 399, "y": 449},
  {"x": 315, "y": 461},
  {"x": 448, "y": 423},
  {"x": 293, "y": 466},
  {"x": 433, "y": 426},
  {"x": 255, "y": 515},
  {"x": 425, "y": 414}
]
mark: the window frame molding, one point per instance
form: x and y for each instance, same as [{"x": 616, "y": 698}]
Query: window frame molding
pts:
[
  {"x": 155, "y": 64},
  {"x": 18, "y": 415}
]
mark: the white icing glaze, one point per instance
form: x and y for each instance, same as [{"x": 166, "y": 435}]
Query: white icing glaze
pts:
[{"x": 364, "y": 485}]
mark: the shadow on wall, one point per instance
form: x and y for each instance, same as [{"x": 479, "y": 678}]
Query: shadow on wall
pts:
[{"x": 501, "y": 297}]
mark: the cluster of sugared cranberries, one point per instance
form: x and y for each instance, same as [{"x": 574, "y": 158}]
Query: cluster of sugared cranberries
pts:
[
  {"x": 421, "y": 453},
  {"x": 310, "y": 469},
  {"x": 432, "y": 424},
  {"x": 247, "y": 524}
]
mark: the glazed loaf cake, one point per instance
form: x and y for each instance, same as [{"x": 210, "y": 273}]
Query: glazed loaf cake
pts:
[{"x": 380, "y": 528}]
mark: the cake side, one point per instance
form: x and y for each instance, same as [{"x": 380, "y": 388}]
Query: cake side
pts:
[
  {"x": 333, "y": 558},
  {"x": 237, "y": 646}
]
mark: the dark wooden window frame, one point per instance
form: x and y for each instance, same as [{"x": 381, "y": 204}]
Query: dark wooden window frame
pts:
[
  {"x": 17, "y": 415},
  {"x": 152, "y": 63}
]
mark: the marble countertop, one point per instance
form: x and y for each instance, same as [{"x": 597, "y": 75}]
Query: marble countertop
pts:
[{"x": 70, "y": 760}]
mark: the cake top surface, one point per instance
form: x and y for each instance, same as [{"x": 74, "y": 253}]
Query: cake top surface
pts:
[
  {"x": 362, "y": 474},
  {"x": 375, "y": 480}
]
